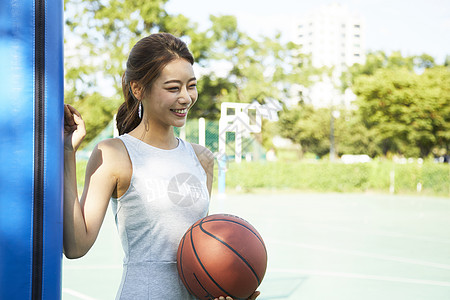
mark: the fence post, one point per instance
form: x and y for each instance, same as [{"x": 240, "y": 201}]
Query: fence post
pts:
[
  {"x": 392, "y": 181},
  {"x": 201, "y": 132},
  {"x": 222, "y": 164},
  {"x": 183, "y": 132}
]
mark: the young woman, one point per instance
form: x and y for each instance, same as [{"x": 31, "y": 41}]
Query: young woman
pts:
[{"x": 158, "y": 184}]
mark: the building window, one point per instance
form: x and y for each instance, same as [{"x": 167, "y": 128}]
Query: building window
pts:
[
  {"x": 356, "y": 35},
  {"x": 356, "y": 54},
  {"x": 357, "y": 26}
]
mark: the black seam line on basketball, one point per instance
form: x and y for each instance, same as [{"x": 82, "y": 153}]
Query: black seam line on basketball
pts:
[
  {"x": 180, "y": 261},
  {"x": 204, "y": 269},
  {"x": 181, "y": 265},
  {"x": 208, "y": 294},
  {"x": 234, "y": 251},
  {"x": 262, "y": 242}
]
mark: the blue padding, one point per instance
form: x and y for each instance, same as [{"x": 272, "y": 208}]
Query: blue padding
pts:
[
  {"x": 17, "y": 149},
  {"x": 54, "y": 94}
]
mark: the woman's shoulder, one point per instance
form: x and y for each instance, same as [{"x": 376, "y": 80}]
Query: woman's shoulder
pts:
[
  {"x": 204, "y": 155},
  {"x": 112, "y": 151},
  {"x": 112, "y": 146}
]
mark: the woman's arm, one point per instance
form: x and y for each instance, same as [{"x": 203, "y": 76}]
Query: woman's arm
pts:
[
  {"x": 82, "y": 220},
  {"x": 206, "y": 158}
]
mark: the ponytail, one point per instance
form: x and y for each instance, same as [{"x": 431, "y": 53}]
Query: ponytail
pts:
[{"x": 127, "y": 117}]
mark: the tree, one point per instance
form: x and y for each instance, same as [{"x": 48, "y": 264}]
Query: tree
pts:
[
  {"x": 402, "y": 102},
  {"x": 244, "y": 69},
  {"x": 435, "y": 87},
  {"x": 351, "y": 136},
  {"x": 308, "y": 127},
  {"x": 408, "y": 112},
  {"x": 234, "y": 67},
  {"x": 99, "y": 37},
  {"x": 380, "y": 60}
]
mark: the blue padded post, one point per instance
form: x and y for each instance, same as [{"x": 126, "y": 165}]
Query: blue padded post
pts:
[{"x": 31, "y": 148}]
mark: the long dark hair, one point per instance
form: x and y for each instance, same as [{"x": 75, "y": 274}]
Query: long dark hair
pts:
[{"x": 144, "y": 65}]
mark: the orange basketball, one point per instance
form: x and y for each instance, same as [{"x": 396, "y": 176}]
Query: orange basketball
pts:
[{"x": 221, "y": 255}]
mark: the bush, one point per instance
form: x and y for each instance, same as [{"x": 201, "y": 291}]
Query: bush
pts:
[{"x": 324, "y": 176}]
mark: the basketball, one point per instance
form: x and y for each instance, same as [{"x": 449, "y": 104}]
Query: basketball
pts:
[{"x": 221, "y": 255}]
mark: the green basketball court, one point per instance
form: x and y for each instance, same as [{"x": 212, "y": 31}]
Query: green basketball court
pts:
[{"x": 320, "y": 246}]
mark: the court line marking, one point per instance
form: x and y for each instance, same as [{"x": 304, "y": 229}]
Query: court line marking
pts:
[
  {"x": 361, "y": 276},
  {"x": 363, "y": 254},
  {"x": 384, "y": 233},
  {"x": 338, "y": 228},
  {"x": 77, "y": 294}
]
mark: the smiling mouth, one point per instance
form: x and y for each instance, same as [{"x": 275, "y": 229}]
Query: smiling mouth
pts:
[{"x": 180, "y": 111}]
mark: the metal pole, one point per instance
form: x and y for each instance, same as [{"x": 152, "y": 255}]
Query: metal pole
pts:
[{"x": 332, "y": 151}]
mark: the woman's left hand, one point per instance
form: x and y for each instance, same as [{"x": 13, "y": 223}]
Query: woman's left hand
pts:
[{"x": 252, "y": 297}]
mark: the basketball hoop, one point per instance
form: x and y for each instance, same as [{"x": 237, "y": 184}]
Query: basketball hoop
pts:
[{"x": 242, "y": 124}]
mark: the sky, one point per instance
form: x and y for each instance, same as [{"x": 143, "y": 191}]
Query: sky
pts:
[{"x": 413, "y": 27}]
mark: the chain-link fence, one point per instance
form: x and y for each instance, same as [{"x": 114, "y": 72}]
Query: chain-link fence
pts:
[{"x": 192, "y": 132}]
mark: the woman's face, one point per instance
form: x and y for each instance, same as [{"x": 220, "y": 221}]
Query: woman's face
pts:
[{"x": 172, "y": 94}]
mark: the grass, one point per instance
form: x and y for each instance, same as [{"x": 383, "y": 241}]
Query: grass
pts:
[{"x": 324, "y": 176}]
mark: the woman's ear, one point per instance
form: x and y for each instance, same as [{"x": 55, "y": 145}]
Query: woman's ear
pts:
[{"x": 136, "y": 89}]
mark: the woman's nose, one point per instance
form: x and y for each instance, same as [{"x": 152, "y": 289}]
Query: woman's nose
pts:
[{"x": 185, "y": 97}]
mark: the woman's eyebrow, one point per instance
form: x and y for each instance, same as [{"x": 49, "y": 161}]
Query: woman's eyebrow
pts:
[{"x": 179, "y": 81}]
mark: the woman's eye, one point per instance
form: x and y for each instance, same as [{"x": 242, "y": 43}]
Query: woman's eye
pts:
[
  {"x": 173, "y": 88},
  {"x": 193, "y": 86}
]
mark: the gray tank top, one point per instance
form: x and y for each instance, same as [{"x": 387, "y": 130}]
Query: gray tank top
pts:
[{"x": 167, "y": 194}]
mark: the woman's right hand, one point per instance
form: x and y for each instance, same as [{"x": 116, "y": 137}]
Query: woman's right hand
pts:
[
  {"x": 74, "y": 128},
  {"x": 252, "y": 297}
]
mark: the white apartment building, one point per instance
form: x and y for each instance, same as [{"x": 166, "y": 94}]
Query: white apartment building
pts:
[{"x": 334, "y": 37}]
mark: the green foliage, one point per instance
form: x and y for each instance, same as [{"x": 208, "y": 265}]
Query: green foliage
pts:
[
  {"x": 211, "y": 91},
  {"x": 308, "y": 127},
  {"x": 318, "y": 176},
  {"x": 408, "y": 112},
  {"x": 403, "y": 107},
  {"x": 403, "y": 102},
  {"x": 380, "y": 60},
  {"x": 351, "y": 136},
  {"x": 324, "y": 176},
  {"x": 269, "y": 130},
  {"x": 243, "y": 69},
  {"x": 235, "y": 67},
  {"x": 97, "y": 112},
  {"x": 100, "y": 36}
]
